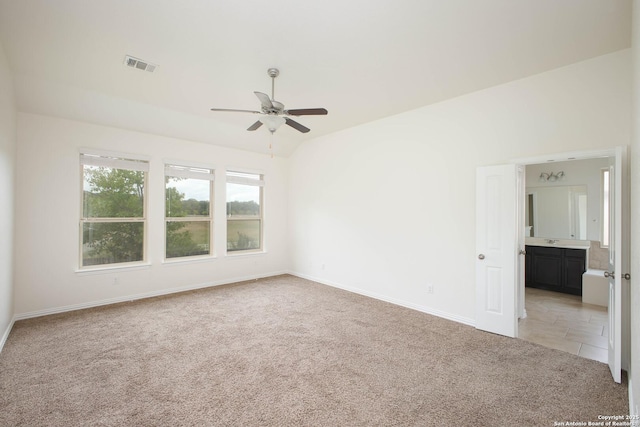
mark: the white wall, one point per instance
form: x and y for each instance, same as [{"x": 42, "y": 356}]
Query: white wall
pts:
[
  {"x": 578, "y": 172},
  {"x": 48, "y": 203},
  {"x": 388, "y": 208},
  {"x": 634, "y": 389},
  {"x": 7, "y": 161}
]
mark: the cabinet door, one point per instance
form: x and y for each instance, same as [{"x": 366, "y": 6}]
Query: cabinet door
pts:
[
  {"x": 574, "y": 266},
  {"x": 528, "y": 265},
  {"x": 547, "y": 268}
]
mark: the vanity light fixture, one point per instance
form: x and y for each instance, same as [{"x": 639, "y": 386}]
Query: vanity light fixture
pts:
[{"x": 551, "y": 177}]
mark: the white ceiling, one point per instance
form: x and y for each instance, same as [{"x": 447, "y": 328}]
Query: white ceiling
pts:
[{"x": 360, "y": 59}]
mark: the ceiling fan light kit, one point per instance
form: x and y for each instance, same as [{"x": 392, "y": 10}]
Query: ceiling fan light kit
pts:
[
  {"x": 273, "y": 112},
  {"x": 272, "y": 122}
]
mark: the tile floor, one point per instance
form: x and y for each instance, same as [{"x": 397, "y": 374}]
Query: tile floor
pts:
[{"x": 563, "y": 322}]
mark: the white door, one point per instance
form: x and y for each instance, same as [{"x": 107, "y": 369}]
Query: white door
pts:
[
  {"x": 496, "y": 249},
  {"x": 615, "y": 266}
]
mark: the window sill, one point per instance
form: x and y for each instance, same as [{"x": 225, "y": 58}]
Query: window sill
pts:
[
  {"x": 242, "y": 254},
  {"x": 102, "y": 270},
  {"x": 188, "y": 260}
]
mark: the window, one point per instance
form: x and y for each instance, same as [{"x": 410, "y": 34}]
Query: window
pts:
[
  {"x": 604, "y": 224},
  {"x": 188, "y": 213},
  {"x": 113, "y": 218},
  {"x": 244, "y": 211}
]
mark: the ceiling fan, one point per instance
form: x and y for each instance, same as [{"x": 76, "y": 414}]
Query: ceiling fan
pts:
[{"x": 273, "y": 112}]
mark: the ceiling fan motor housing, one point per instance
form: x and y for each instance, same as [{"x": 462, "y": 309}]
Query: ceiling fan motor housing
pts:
[{"x": 278, "y": 108}]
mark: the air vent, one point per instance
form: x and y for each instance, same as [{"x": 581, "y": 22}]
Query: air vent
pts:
[{"x": 140, "y": 64}]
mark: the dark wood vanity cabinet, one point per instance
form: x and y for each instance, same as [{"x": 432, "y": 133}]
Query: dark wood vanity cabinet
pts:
[{"x": 555, "y": 269}]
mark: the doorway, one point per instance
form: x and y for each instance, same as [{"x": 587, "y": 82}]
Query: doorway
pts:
[
  {"x": 618, "y": 263},
  {"x": 563, "y": 203},
  {"x": 500, "y": 246}
]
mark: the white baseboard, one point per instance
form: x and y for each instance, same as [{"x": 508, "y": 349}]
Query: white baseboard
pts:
[
  {"x": 423, "y": 309},
  {"x": 127, "y": 298},
  {"x": 3, "y": 340}
]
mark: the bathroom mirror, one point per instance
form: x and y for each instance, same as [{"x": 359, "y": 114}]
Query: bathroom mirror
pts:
[{"x": 558, "y": 212}]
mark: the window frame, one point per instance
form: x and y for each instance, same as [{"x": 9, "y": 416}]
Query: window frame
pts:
[
  {"x": 241, "y": 177},
  {"x": 114, "y": 161},
  {"x": 179, "y": 170}
]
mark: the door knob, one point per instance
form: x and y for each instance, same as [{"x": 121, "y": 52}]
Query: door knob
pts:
[
  {"x": 522, "y": 252},
  {"x": 481, "y": 256},
  {"x": 612, "y": 274}
]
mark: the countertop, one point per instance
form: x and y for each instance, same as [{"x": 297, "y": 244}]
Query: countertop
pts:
[{"x": 557, "y": 243}]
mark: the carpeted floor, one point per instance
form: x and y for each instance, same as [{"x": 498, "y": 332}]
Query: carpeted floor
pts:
[{"x": 284, "y": 351}]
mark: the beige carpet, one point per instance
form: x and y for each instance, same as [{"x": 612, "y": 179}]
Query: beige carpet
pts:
[{"x": 284, "y": 351}]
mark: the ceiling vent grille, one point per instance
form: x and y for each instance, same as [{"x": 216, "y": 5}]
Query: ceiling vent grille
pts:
[{"x": 140, "y": 64}]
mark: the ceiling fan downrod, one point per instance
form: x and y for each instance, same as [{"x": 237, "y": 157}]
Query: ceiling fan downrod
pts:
[{"x": 273, "y": 73}]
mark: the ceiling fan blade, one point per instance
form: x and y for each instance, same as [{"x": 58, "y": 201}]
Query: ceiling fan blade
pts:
[
  {"x": 255, "y": 126},
  {"x": 264, "y": 100},
  {"x": 307, "y": 112},
  {"x": 235, "y": 111},
  {"x": 296, "y": 125}
]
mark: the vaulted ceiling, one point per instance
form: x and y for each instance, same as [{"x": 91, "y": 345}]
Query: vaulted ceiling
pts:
[{"x": 360, "y": 59}]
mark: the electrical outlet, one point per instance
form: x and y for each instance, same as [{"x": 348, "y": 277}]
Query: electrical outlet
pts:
[
  {"x": 429, "y": 289},
  {"x": 115, "y": 281},
  {"x": 323, "y": 266}
]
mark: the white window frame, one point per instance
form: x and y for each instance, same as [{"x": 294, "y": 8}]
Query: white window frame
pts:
[
  {"x": 193, "y": 172},
  {"x": 115, "y": 161},
  {"x": 243, "y": 177}
]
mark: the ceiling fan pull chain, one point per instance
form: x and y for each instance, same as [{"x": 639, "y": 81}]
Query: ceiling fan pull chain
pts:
[{"x": 271, "y": 144}]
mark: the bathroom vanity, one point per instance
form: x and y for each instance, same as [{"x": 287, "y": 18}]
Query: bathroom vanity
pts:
[{"x": 555, "y": 265}]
